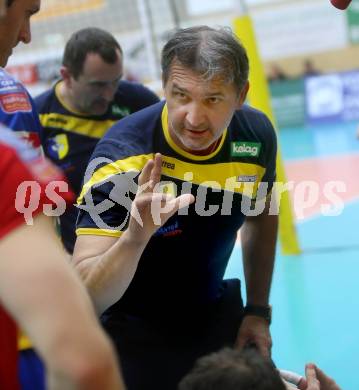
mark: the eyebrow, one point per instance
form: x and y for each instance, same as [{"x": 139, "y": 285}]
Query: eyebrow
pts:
[
  {"x": 175, "y": 86},
  {"x": 184, "y": 90}
]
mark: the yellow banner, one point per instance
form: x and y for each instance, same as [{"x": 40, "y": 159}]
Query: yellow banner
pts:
[{"x": 55, "y": 8}]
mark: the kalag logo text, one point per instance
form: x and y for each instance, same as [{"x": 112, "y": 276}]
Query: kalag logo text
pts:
[{"x": 245, "y": 149}]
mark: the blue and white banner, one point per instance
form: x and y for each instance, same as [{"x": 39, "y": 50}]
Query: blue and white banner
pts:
[{"x": 333, "y": 97}]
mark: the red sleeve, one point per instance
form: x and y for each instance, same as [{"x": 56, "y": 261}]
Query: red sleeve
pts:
[
  {"x": 8, "y": 353},
  {"x": 21, "y": 184}
]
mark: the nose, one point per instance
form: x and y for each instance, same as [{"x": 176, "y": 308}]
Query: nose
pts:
[
  {"x": 25, "y": 33},
  {"x": 109, "y": 91},
  {"x": 195, "y": 116}
]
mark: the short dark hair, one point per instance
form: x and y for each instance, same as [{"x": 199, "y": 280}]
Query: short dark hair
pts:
[
  {"x": 89, "y": 40},
  {"x": 208, "y": 51},
  {"x": 231, "y": 369}
]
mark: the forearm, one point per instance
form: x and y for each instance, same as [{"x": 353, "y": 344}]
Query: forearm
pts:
[
  {"x": 108, "y": 275},
  {"x": 79, "y": 355},
  {"x": 91, "y": 365},
  {"x": 259, "y": 236},
  {"x": 53, "y": 308}
]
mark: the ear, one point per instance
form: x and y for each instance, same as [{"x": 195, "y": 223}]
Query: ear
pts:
[
  {"x": 242, "y": 95},
  {"x": 66, "y": 76},
  {"x": 163, "y": 82}
]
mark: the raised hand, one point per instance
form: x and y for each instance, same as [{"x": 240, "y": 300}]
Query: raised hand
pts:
[
  {"x": 255, "y": 331},
  {"x": 151, "y": 208}
]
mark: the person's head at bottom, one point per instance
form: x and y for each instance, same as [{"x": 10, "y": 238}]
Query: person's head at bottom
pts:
[{"x": 230, "y": 369}]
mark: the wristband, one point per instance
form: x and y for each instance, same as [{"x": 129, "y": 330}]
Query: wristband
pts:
[{"x": 264, "y": 312}]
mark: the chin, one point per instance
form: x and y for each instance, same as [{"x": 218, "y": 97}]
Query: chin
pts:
[
  {"x": 3, "y": 62},
  {"x": 99, "y": 110},
  {"x": 195, "y": 147},
  {"x": 96, "y": 111}
]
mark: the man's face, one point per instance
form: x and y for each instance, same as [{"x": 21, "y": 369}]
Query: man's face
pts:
[
  {"x": 93, "y": 91},
  {"x": 15, "y": 26},
  {"x": 198, "y": 110}
]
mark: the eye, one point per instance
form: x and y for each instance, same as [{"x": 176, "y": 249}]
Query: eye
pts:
[
  {"x": 213, "y": 100},
  {"x": 180, "y": 95}
]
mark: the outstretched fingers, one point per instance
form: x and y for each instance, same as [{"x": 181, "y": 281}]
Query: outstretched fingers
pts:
[
  {"x": 145, "y": 175},
  {"x": 163, "y": 206},
  {"x": 152, "y": 205},
  {"x": 156, "y": 171},
  {"x": 311, "y": 375},
  {"x": 150, "y": 174}
]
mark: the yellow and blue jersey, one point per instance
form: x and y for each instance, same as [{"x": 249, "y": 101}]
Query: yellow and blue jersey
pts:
[
  {"x": 69, "y": 138},
  {"x": 184, "y": 262}
]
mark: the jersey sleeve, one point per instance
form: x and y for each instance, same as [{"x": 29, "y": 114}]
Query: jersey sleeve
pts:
[
  {"x": 8, "y": 352},
  {"x": 110, "y": 185},
  {"x": 270, "y": 153}
]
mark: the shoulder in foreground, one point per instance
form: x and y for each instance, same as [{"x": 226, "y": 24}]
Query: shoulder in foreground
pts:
[
  {"x": 9, "y": 83},
  {"x": 4, "y": 75}
]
